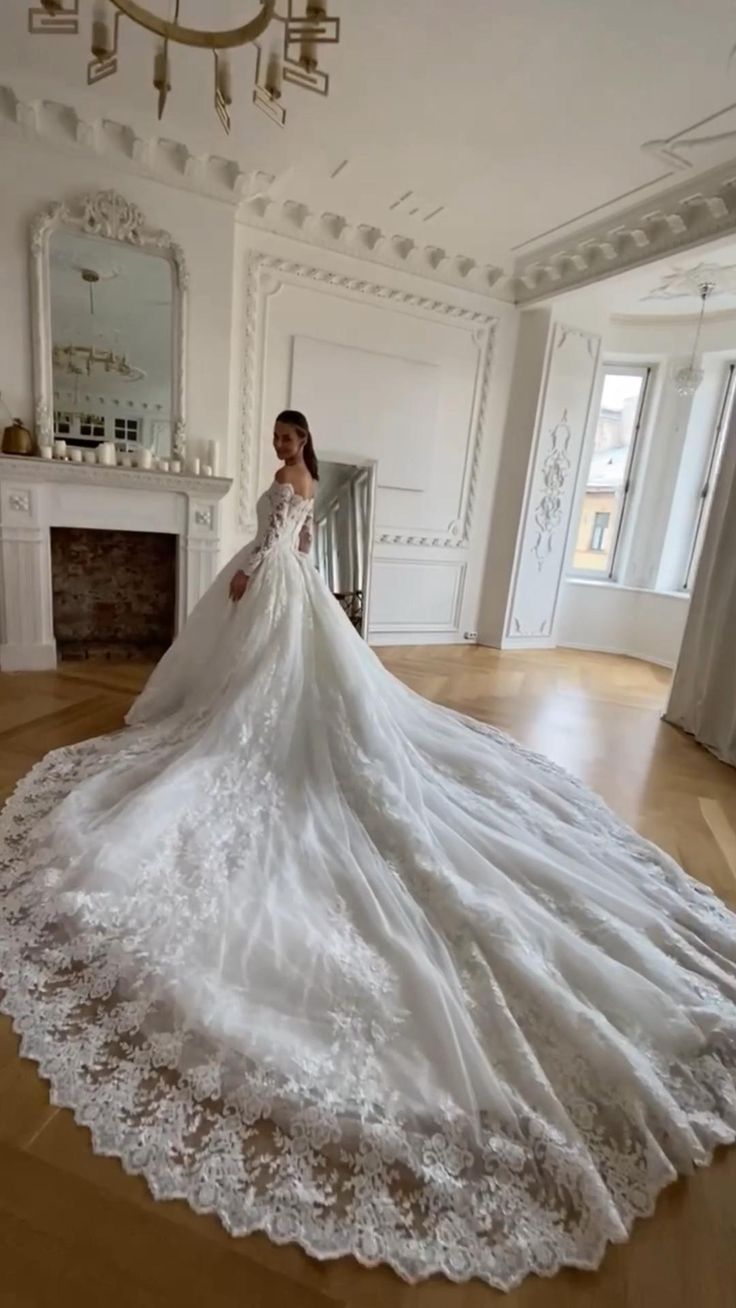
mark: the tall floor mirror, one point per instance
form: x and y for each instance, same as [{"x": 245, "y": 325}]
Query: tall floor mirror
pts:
[{"x": 343, "y": 535}]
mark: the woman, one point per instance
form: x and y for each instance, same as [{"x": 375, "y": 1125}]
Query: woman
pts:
[{"x": 343, "y": 966}]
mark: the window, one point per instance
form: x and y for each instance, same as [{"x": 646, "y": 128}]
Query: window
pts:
[
  {"x": 91, "y": 426},
  {"x": 62, "y": 424},
  {"x": 598, "y": 534},
  {"x": 127, "y": 429},
  {"x": 609, "y": 473},
  {"x": 711, "y": 476}
]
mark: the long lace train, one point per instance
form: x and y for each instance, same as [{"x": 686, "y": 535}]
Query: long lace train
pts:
[{"x": 345, "y": 967}]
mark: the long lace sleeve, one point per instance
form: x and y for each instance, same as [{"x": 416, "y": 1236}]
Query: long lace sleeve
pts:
[
  {"x": 306, "y": 535},
  {"x": 281, "y": 496}
]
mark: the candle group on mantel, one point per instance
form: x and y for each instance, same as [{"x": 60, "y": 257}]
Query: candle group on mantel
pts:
[{"x": 107, "y": 455}]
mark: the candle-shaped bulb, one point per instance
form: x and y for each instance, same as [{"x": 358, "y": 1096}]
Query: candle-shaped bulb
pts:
[
  {"x": 274, "y": 76},
  {"x": 224, "y": 80},
  {"x": 161, "y": 76},
  {"x": 101, "y": 41}
]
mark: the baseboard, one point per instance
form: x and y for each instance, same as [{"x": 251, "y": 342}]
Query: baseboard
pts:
[
  {"x": 28, "y": 658},
  {"x": 405, "y": 637},
  {"x": 620, "y": 653}
]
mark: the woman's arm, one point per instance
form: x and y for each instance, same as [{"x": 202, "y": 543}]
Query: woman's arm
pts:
[
  {"x": 281, "y": 494},
  {"x": 306, "y": 536}
]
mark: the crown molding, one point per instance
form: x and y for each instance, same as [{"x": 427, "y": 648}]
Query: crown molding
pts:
[
  {"x": 699, "y": 210},
  {"x": 330, "y": 231},
  {"x": 685, "y": 320},
  {"x": 264, "y": 273},
  {"x": 250, "y": 192}
]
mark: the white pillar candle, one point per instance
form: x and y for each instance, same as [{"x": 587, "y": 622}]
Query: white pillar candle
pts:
[
  {"x": 212, "y": 453},
  {"x": 75, "y": 455},
  {"x": 90, "y": 456},
  {"x": 60, "y": 449},
  {"x": 193, "y": 468},
  {"x": 163, "y": 465},
  {"x": 176, "y": 465},
  {"x": 206, "y": 471},
  {"x": 106, "y": 454},
  {"x": 45, "y": 451},
  {"x": 144, "y": 458}
]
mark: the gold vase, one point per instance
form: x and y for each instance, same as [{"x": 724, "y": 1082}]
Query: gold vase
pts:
[{"x": 17, "y": 439}]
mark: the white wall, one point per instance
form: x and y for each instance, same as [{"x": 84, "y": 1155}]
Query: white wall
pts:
[
  {"x": 621, "y": 620},
  {"x": 365, "y": 343}
]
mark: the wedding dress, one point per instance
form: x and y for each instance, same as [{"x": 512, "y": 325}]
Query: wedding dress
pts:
[{"x": 343, "y": 966}]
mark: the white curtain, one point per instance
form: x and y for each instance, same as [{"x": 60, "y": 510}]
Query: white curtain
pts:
[{"x": 703, "y": 698}]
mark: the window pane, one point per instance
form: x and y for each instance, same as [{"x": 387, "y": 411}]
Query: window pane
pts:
[
  {"x": 608, "y": 472},
  {"x": 711, "y": 477}
]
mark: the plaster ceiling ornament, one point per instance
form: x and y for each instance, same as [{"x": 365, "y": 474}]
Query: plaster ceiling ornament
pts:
[
  {"x": 685, "y": 283},
  {"x": 297, "y": 63}
]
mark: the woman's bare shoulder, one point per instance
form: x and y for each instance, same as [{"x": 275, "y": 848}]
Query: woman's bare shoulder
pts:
[{"x": 299, "y": 480}]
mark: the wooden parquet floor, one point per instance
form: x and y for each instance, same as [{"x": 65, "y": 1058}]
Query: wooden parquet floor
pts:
[{"x": 76, "y": 1230}]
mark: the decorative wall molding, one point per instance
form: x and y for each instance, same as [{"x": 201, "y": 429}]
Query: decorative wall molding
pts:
[
  {"x": 252, "y": 192},
  {"x": 456, "y": 572},
  {"x": 264, "y": 274},
  {"x": 109, "y": 215},
  {"x": 20, "y": 501},
  {"x": 563, "y": 418},
  {"x": 667, "y": 223},
  {"x": 556, "y": 469}
]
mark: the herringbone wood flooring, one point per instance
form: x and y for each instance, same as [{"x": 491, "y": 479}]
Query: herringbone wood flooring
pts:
[{"x": 74, "y": 1229}]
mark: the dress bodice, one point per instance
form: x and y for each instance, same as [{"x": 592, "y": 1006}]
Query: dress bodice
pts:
[{"x": 284, "y": 520}]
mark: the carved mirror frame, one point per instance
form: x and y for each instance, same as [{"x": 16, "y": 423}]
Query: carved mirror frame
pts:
[{"x": 109, "y": 215}]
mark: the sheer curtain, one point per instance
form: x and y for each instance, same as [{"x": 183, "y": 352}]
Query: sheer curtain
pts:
[{"x": 703, "y": 697}]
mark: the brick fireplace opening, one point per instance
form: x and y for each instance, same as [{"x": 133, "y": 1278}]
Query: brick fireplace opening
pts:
[{"x": 114, "y": 593}]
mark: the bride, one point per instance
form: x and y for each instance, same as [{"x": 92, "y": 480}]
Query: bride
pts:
[{"x": 343, "y": 966}]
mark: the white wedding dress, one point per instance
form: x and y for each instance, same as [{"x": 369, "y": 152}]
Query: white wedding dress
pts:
[{"x": 343, "y": 966}]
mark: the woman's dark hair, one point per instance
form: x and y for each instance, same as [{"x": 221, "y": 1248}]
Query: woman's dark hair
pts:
[{"x": 293, "y": 418}]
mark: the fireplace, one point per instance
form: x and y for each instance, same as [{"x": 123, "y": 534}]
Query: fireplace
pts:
[
  {"x": 114, "y": 593},
  {"x": 41, "y": 496}
]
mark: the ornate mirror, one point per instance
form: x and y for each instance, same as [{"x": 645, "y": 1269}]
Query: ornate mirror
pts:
[{"x": 109, "y": 310}]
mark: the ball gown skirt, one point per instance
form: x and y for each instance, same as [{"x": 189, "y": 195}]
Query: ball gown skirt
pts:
[{"x": 344, "y": 966}]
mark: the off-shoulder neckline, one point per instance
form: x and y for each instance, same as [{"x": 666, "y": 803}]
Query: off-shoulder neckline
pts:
[{"x": 286, "y": 485}]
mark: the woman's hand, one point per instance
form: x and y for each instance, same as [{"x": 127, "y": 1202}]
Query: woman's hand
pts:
[{"x": 238, "y": 586}]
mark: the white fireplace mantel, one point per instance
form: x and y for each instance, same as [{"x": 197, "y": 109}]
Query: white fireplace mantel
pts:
[{"x": 38, "y": 494}]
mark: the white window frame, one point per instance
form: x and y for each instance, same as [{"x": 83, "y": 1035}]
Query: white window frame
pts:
[
  {"x": 705, "y": 496},
  {"x": 645, "y": 371}
]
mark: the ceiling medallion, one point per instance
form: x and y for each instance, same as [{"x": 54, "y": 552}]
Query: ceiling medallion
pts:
[{"x": 297, "y": 61}]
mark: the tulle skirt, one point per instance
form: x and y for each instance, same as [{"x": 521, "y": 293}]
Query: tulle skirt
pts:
[{"x": 346, "y": 967}]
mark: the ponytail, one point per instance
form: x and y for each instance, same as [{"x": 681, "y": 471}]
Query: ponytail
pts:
[{"x": 293, "y": 418}]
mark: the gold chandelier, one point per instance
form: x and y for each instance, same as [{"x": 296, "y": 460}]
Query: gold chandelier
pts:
[
  {"x": 297, "y": 62},
  {"x": 83, "y": 360}
]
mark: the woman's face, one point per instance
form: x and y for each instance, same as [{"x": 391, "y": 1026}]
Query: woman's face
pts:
[{"x": 287, "y": 442}]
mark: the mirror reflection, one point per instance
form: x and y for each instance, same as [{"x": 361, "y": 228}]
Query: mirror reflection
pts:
[
  {"x": 343, "y": 531},
  {"x": 112, "y": 343}
]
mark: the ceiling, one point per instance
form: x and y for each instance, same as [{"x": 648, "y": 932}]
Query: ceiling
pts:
[
  {"x": 670, "y": 288},
  {"x": 483, "y": 127}
]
